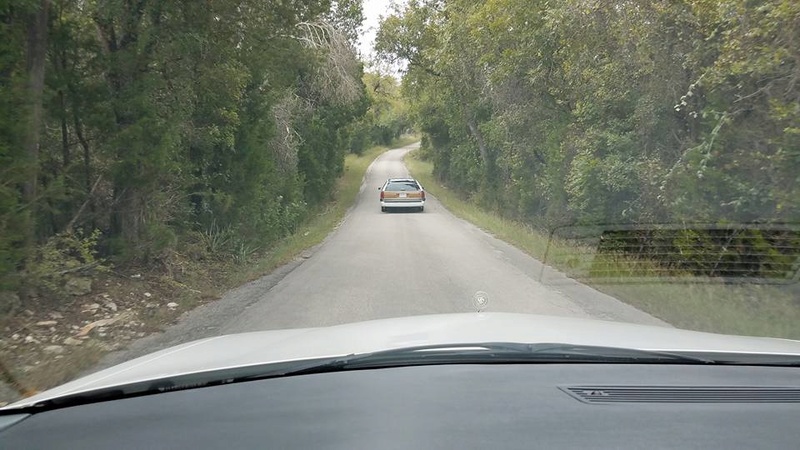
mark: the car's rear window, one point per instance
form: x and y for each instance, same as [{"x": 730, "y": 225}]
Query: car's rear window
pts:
[{"x": 403, "y": 186}]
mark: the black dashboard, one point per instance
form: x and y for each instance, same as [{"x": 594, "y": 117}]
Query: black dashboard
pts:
[{"x": 447, "y": 406}]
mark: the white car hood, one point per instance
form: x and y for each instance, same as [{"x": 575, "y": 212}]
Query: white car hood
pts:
[{"x": 262, "y": 347}]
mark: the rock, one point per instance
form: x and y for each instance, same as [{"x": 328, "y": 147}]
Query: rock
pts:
[
  {"x": 15, "y": 336},
  {"x": 53, "y": 349},
  {"x": 56, "y": 315},
  {"x": 112, "y": 306},
  {"x": 72, "y": 341},
  {"x": 151, "y": 305},
  {"x": 136, "y": 276},
  {"x": 91, "y": 307},
  {"x": 148, "y": 295},
  {"x": 47, "y": 323},
  {"x": 78, "y": 286},
  {"x": 172, "y": 305},
  {"x": 97, "y": 323},
  {"x": 30, "y": 340}
]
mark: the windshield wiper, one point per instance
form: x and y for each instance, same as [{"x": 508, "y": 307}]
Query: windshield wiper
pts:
[
  {"x": 477, "y": 353},
  {"x": 499, "y": 353}
]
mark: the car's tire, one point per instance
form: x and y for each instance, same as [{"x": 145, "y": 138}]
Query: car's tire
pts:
[
  {"x": 383, "y": 209},
  {"x": 421, "y": 208}
]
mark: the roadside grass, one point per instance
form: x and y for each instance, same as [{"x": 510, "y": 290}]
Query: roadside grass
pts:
[
  {"x": 521, "y": 235},
  {"x": 317, "y": 228},
  {"x": 324, "y": 221},
  {"x": 208, "y": 283},
  {"x": 743, "y": 309}
]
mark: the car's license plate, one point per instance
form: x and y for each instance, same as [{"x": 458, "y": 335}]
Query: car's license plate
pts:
[{"x": 403, "y": 195}]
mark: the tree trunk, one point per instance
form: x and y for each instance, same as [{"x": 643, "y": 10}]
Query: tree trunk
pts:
[
  {"x": 65, "y": 154},
  {"x": 36, "y": 58},
  {"x": 490, "y": 176},
  {"x": 476, "y": 133},
  {"x": 120, "y": 41}
]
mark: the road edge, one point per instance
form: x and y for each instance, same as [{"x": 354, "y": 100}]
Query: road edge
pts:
[{"x": 596, "y": 303}]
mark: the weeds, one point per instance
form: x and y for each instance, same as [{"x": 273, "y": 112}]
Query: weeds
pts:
[
  {"x": 215, "y": 238},
  {"x": 244, "y": 252},
  {"x": 62, "y": 258}
]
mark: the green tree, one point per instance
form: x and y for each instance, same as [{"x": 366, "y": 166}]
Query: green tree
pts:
[
  {"x": 153, "y": 121},
  {"x": 586, "y": 110}
]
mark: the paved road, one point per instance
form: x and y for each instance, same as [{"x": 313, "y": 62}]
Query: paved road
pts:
[{"x": 380, "y": 265}]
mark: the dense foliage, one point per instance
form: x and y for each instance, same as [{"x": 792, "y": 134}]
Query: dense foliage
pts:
[
  {"x": 141, "y": 128},
  {"x": 387, "y": 117},
  {"x": 608, "y": 111}
]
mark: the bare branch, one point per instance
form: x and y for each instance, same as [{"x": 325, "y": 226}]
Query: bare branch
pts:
[
  {"x": 71, "y": 223},
  {"x": 338, "y": 79},
  {"x": 287, "y": 140}
]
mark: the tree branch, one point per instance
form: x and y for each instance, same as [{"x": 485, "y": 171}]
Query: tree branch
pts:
[{"x": 71, "y": 223}]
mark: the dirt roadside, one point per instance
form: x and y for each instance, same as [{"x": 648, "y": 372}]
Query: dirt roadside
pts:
[{"x": 124, "y": 317}]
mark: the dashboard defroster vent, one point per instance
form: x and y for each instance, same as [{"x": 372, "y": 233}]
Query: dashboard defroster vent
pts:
[{"x": 683, "y": 394}]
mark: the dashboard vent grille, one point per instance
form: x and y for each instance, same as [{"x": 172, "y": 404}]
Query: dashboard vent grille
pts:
[
  {"x": 683, "y": 394},
  {"x": 692, "y": 253}
]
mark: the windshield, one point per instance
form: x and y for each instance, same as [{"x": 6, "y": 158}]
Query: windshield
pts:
[
  {"x": 164, "y": 169},
  {"x": 402, "y": 186}
]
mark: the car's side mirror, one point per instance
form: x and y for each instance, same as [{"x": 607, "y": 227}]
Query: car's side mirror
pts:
[{"x": 379, "y": 188}]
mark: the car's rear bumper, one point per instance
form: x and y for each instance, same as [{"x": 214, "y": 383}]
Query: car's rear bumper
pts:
[{"x": 407, "y": 204}]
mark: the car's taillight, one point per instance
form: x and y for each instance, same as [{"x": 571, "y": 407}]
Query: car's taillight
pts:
[
  {"x": 381, "y": 195},
  {"x": 423, "y": 195}
]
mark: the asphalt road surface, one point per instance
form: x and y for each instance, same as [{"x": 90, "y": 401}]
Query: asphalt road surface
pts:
[{"x": 381, "y": 265}]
